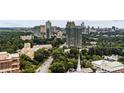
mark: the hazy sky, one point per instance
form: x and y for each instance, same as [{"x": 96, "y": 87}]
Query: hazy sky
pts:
[{"x": 61, "y": 23}]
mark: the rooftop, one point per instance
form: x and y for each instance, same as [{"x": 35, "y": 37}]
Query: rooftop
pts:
[
  {"x": 112, "y": 57},
  {"x": 113, "y": 66},
  {"x": 36, "y": 47},
  {"x": 2, "y": 53},
  {"x": 100, "y": 62},
  {"x": 14, "y": 55},
  {"x": 108, "y": 65},
  {"x": 87, "y": 70},
  {"x": 5, "y": 55}
]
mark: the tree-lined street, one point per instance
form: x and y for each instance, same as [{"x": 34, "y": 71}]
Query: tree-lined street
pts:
[{"x": 45, "y": 66}]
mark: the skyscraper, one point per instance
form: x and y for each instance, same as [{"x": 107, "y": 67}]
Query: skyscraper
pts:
[
  {"x": 83, "y": 25},
  {"x": 43, "y": 31},
  {"x": 73, "y": 35},
  {"x": 83, "y": 28},
  {"x": 48, "y": 29},
  {"x": 37, "y": 32},
  {"x": 42, "y": 28}
]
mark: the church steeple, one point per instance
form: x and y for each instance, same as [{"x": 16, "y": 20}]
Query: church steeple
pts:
[{"x": 79, "y": 64}]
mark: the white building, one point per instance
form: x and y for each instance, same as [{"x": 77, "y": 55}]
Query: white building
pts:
[
  {"x": 36, "y": 47},
  {"x": 87, "y": 70},
  {"x": 67, "y": 50},
  {"x": 111, "y": 58},
  {"x": 28, "y": 37},
  {"x": 108, "y": 66}
]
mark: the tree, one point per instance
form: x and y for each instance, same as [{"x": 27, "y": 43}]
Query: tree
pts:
[
  {"x": 26, "y": 64},
  {"x": 25, "y": 58},
  {"x": 56, "y": 42},
  {"x": 72, "y": 63},
  {"x": 74, "y": 53},
  {"x": 10, "y": 40},
  {"x": 113, "y": 27},
  {"x": 121, "y": 60},
  {"x": 41, "y": 54},
  {"x": 84, "y": 52},
  {"x": 27, "y": 67},
  {"x": 57, "y": 53},
  {"x": 96, "y": 57},
  {"x": 86, "y": 64},
  {"x": 57, "y": 67}
]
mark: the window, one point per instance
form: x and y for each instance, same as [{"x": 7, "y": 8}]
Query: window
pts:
[{"x": 14, "y": 66}]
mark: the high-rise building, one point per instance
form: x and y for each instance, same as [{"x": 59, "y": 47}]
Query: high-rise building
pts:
[
  {"x": 48, "y": 29},
  {"x": 37, "y": 32},
  {"x": 73, "y": 35},
  {"x": 42, "y": 28},
  {"x": 83, "y": 28},
  {"x": 83, "y": 25},
  {"x": 43, "y": 31}
]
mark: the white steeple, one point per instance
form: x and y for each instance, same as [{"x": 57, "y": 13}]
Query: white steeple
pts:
[{"x": 79, "y": 64}]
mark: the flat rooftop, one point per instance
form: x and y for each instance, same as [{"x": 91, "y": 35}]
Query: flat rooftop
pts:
[
  {"x": 5, "y": 55},
  {"x": 108, "y": 65}
]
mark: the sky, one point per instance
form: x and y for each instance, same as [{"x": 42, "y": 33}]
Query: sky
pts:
[{"x": 61, "y": 23}]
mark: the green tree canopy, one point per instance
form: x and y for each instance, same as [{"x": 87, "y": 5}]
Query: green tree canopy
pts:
[{"x": 57, "y": 67}]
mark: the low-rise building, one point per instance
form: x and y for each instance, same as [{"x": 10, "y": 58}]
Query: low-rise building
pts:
[
  {"x": 36, "y": 47},
  {"x": 27, "y": 50},
  {"x": 106, "y": 66},
  {"x": 27, "y": 37},
  {"x": 87, "y": 70},
  {"x": 67, "y": 50},
  {"x": 111, "y": 58},
  {"x": 93, "y": 43},
  {"x": 60, "y": 34},
  {"x": 9, "y": 63}
]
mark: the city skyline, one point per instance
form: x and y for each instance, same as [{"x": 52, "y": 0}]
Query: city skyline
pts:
[{"x": 61, "y": 23}]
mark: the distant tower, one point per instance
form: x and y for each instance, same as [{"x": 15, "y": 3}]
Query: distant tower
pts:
[
  {"x": 48, "y": 29},
  {"x": 43, "y": 31},
  {"x": 88, "y": 29},
  {"x": 83, "y": 27},
  {"x": 73, "y": 35},
  {"x": 37, "y": 32}
]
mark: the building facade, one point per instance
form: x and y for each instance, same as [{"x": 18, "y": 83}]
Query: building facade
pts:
[
  {"x": 83, "y": 28},
  {"x": 9, "y": 63},
  {"x": 48, "y": 29},
  {"x": 37, "y": 32},
  {"x": 27, "y": 50},
  {"x": 73, "y": 35},
  {"x": 42, "y": 29}
]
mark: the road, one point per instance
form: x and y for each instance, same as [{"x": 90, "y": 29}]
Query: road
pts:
[{"x": 45, "y": 66}]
